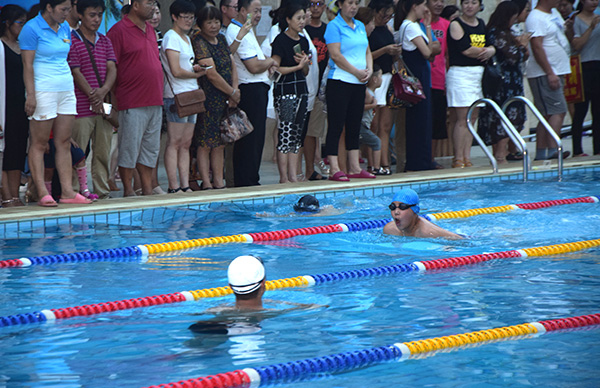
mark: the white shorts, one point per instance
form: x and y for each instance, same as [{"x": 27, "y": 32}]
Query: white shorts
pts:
[
  {"x": 463, "y": 85},
  {"x": 381, "y": 92},
  {"x": 51, "y": 104}
]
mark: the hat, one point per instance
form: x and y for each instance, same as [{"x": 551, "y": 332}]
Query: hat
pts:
[
  {"x": 245, "y": 274},
  {"x": 308, "y": 203},
  {"x": 409, "y": 197}
]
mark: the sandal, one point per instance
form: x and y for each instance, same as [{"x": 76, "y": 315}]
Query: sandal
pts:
[
  {"x": 186, "y": 190},
  {"x": 458, "y": 163},
  {"x": 468, "y": 163},
  {"x": 515, "y": 156},
  {"x": 173, "y": 191},
  {"x": 89, "y": 195},
  {"x": 47, "y": 201},
  {"x": 386, "y": 170}
]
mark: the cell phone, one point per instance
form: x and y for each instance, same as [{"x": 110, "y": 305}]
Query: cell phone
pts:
[
  {"x": 275, "y": 76},
  {"x": 249, "y": 18},
  {"x": 106, "y": 106},
  {"x": 572, "y": 14},
  {"x": 206, "y": 67},
  {"x": 297, "y": 49}
]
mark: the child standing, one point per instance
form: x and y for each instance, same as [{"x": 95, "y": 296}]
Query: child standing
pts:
[{"x": 367, "y": 137}]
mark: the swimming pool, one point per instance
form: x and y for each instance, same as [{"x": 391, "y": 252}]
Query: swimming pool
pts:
[{"x": 152, "y": 345}]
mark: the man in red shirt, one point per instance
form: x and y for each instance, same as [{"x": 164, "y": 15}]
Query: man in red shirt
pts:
[
  {"x": 90, "y": 124},
  {"x": 139, "y": 94}
]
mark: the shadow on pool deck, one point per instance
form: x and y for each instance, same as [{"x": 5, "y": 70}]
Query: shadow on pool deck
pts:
[{"x": 270, "y": 187}]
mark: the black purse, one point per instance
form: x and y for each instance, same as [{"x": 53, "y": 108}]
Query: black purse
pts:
[{"x": 492, "y": 77}]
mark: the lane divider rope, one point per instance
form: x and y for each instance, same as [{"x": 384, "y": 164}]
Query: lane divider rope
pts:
[
  {"x": 346, "y": 361},
  {"x": 141, "y": 252},
  {"x": 506, "y": 208},
  {"x": 299, "y": 281}
]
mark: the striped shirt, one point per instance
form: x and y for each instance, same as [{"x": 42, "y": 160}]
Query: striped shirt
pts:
[{"x": 79, "y": 57}]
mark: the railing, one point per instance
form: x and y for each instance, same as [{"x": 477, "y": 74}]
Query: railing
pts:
[
  {"x": 513, "y": 134},
  {"x": 545, "y": 125}
]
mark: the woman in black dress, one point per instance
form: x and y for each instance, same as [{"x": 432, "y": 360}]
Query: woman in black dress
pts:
[
  {"x": 511, "y": 53},
  {"x": 16, "y": 129}
]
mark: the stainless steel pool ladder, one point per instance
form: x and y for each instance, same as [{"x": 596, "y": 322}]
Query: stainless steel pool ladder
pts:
[
  {"x": 546, "y": 126},
  {"x": 510, "y": 130},
  {"x": 514, "y": 135}
]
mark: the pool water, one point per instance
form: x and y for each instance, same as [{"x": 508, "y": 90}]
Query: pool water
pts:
[{"x": 141, "y": 347}]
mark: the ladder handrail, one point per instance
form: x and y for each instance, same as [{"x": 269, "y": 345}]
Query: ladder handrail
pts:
[
  {"x": 510, "y": 130},
  {"x": 546, "y": 126}
]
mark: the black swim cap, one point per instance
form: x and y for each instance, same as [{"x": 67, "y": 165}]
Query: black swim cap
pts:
[{"x": 308, "y": 203}]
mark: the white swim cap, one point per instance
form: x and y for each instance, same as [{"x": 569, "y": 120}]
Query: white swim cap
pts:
[{"x": 245, "y": 273}]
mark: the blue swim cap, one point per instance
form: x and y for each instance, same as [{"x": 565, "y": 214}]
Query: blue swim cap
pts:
[{"x": 409, "y": 197}]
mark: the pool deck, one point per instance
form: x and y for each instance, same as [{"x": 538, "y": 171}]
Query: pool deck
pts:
[{"x": 481, "y": 168}]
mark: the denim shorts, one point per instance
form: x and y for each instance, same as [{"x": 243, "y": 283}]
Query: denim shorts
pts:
[{"x": 171, "y": 112}]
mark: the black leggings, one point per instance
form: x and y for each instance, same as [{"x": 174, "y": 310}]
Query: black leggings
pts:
[
  {"x": 345, "y": 105},
  {"x": 591, "y": 82}
]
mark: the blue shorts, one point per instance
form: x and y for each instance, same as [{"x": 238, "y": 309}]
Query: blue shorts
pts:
[{"x": 171, "y": 112}]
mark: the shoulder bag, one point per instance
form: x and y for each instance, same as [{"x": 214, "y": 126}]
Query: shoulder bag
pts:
[
  {"x": 187, "y": 103},
  {"x": 492, "y": 77},
  {"x": 113, "y": 115},
  {"x": 405, "y": 90},
  {"x": 235, "y": 125}
]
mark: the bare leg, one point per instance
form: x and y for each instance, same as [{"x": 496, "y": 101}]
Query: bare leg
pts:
[
  {"x": 145, "y": 178},
  {"x": 217, "y": 162},
  {"x": 38, "y": 142},
  {"x": 310, "y": 145},
  {"x": 177, "y": 156},
  {"x": 282, "y": 163},
  {"x": 353, "y": 162},
  {"x": 500, "y": 150},
  {"x": 127, "y": 181},
  {"x": 293, "y": 166},
  {"x": 386, "y": 121},
  {"x": 204, "y": 166},
  {"x": 63, "y": 127}
]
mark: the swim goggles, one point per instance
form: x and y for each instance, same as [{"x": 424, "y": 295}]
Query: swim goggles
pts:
[{"x": 402, "y": 206}]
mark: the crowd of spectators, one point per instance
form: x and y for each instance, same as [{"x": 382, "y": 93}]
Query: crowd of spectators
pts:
[{"x": 64, "y": 85}]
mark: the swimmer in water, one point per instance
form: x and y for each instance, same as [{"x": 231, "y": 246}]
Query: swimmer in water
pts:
[
  {"x": 307, "y": 206},
  {"x": 247, "y": 279},
  {"x": 407, "y": 222}
]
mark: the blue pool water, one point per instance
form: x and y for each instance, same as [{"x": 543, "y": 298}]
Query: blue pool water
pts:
[{"x": 140, "y": 347}]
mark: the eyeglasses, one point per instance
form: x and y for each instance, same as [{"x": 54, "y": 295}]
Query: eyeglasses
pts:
[
  {"x": 316, "y": 4},
  {"x": 188, "y": 18},
  {"x": 231, "y": 6},
  {"x": 19, "y": 22},
  {"x": 402, "y": 206}
]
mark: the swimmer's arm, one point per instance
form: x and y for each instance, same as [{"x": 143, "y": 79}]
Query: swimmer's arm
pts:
[{"x": 449, "y": 235}]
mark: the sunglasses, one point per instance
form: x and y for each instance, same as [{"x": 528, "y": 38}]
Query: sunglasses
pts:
[
  {"x": 316, "y": 4},
  {"x": 402, "y": 206}
]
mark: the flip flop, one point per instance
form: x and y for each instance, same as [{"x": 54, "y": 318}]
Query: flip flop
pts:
[
  {"x": 79, "y": 200},
  {"x": 47, "y": 201},
  {"x": 362, "y": 174},
  {"x": 339, "y": 177}
]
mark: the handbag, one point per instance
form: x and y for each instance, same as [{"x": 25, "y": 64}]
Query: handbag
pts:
[
  {"x": 492, "y": 77},
  {"x": 187, "y": 103},
  {"x": 405, "y": 90},
  {"x": 113, "y": 115},
  {"x": 235, "y": 125}
]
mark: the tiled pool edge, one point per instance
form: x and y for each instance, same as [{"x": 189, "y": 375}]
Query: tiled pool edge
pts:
[{"x": 270, "y": 194}]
